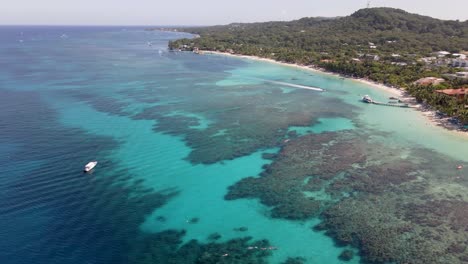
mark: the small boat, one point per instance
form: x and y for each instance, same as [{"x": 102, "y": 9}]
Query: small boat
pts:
[
  {"x": 88, "y": 167},
  {"x": 367, "y": 99}
]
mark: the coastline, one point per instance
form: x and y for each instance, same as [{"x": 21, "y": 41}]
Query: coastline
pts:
[{"x": 426, "y": 111}]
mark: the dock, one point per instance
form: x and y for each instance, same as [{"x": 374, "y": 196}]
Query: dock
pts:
[
  {"x": 367, "y": 99},
  {"x": 390, "y": 104}
]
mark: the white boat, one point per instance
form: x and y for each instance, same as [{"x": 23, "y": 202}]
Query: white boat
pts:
[
  {"x": 367, "y": 99},
  {"x": 88, "y": 167}
]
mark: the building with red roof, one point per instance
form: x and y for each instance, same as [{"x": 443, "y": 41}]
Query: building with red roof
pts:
[{"x": 459, "y": 93}]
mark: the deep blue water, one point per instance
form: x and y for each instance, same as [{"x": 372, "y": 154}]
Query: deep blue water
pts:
[{"x": 49, "y": 212}]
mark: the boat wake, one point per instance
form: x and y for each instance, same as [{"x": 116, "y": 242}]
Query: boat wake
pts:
[{"x": 295, "y": 85}]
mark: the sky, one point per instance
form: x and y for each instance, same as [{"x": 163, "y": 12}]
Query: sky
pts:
[{"x": 204, "y": 12}]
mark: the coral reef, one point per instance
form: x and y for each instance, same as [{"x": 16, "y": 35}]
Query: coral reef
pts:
[
  {"x": 381, "y": 237},
  {"x": 165, "y": 247},
  {"x": 241, "y": 120},
  {"x": 372, "y": 197},
  {"x": 283, "y": 183},
  {"x": 376, "y": 179},
  {"x": 434, "y": 213}
]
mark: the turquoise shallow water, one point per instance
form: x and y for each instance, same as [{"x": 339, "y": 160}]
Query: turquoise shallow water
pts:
[
  {"x": 159, "y": 160},
  {"x": 172, "y": 132}
]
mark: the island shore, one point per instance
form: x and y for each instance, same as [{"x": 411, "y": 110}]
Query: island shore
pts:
[{"x": 427, "y": 111}]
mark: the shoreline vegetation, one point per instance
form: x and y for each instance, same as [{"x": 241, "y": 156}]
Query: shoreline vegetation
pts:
[
  {"x": 426, "y": 110},
  {"x": 383, "y": 46}
]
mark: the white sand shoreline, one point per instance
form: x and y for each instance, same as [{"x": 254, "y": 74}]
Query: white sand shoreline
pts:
[{"x": 425, "y": 110}]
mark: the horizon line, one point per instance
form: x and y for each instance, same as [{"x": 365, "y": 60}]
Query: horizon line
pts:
[{"x": 96, "y": 25}]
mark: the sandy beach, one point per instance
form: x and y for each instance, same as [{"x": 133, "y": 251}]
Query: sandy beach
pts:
[{"x": 427, "y": 112}]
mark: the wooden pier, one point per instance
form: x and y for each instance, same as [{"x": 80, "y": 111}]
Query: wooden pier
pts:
[
  {"x": 368, "y": 100},
  {"x": 390, "y": 104}
]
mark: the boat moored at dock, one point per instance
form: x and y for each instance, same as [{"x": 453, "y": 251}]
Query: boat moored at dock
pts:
[
  {"x": 398, "y": 103},
  {"x": 367, "y": 99}
]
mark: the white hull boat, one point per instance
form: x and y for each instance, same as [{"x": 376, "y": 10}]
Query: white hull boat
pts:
[
  {"x": 88, "y": 167},
  {"x": 367, "y": 99}
]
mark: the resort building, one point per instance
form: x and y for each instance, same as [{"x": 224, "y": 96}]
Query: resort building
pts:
[
  {"x": 429, "y": 81},
  {"x": 428, "y": 60},
  {"x": 461, "y": 93},
  {"x": 462, "y": 75},
  {"x": 458, "y": 55},
  {"x": 461, "y": 63},
  {"x": 442, "y": 53}
]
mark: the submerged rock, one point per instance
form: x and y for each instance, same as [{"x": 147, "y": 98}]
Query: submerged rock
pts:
[
  {"x": 346, "y": 255},
  {"x": 193, "y": 220},
  {"x": 161, "y": 218},
  {"x": 241, "y": 229},
  {"x": 295, "y": 260},
  {"x": 214, "y": 236}
]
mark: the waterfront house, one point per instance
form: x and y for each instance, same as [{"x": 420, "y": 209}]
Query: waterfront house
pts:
[
  {"x": 460, "y": 94},
  {"x": 429, "y": 81}
]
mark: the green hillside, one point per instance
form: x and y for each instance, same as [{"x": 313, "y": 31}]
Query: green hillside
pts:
[{"x": 412, "y": 33}]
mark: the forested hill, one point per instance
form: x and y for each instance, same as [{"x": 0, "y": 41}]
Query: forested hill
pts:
[{"x": 412, "y": 34}]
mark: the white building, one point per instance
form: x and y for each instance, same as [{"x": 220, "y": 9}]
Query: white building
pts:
[
  {"x": 460, "y": 56},
  {"x": 429, "y": 80},
  {"x": 428, "y": 59},
  {"x": 462, "y": 75},
  {"x": 442, "y": 53},
  {"x": 461, "y": 63}
]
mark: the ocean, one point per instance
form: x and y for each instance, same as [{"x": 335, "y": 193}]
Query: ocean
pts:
[{"x": 211, "y": 159}]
